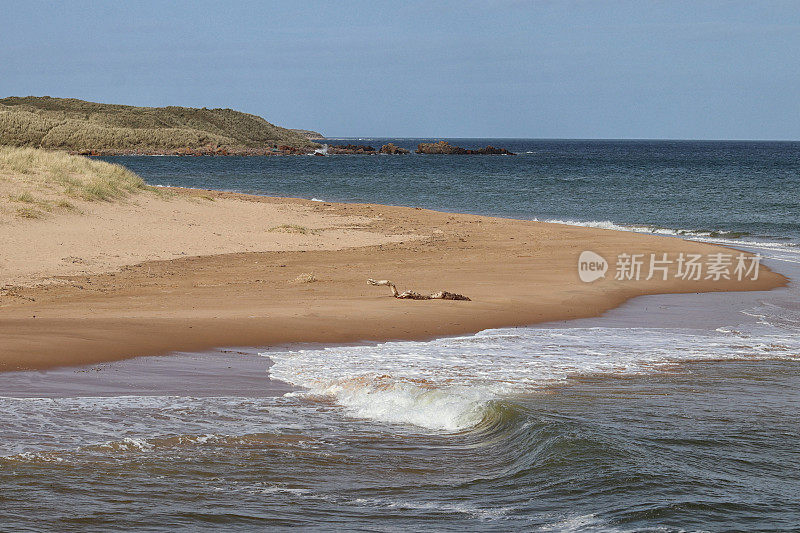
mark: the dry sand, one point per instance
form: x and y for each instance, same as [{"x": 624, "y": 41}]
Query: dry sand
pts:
[
  {"x": 206, "y": 269},
  {"x": 106, "y": 236}
]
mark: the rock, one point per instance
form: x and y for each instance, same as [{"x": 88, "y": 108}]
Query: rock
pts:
[
  {"x": 351, "y": 149},
  {"x": 392, "y": 149},
  {"x": 444, "y": 147},
  {"x": 441, "y": 147},
  {"x": 491, "y": 150},
  {"x": 291, "y": 150}
]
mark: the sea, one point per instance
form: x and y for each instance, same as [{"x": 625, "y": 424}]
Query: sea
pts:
[{"x": 669, "y": 413}]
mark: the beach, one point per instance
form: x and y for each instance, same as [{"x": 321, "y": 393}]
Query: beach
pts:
[
  {"x": 195, "y": 345},
  {"x": 198, "y": 269},
  {"x": 452, "y": 267}
]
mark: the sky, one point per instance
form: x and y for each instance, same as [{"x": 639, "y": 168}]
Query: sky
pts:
[{"x": 533, "y": 69}]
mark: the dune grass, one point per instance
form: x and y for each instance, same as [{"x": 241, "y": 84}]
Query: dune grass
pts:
[
  {"x": 35, "y": 182},
  {"x": 26, "y": 197}
]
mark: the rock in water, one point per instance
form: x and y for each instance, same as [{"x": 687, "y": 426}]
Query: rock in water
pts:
[
  {"x": 444, "y": 147},
  {"x": 351, "y": 149},
  {"x": 441, "y": 147},
  {"x": 392, "y": 149}
]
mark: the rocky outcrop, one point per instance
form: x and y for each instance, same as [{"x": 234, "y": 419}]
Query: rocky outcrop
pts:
[
  {"x": 351, "y": 149},
  {"x": 291, "y": 150},
  {"x": 344, "y": 149},
  {"x": 441, "y": 147},
  {"x": 444, "y": 147},
  {"x": 392, "y": 149},
  {"x": 491, "y": 150}
]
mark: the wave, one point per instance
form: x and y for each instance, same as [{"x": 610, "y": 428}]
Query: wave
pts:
[
  {"x": 152, "y": 425},
  {"x": 469, "y": 382},
  {"x": 783, "y": 250},
  {"x": 398, "y": 401},
  {"x": 32, "y": 457},
  {"x": 607, "y": 224},
  {"x": 158, "y": 444}
]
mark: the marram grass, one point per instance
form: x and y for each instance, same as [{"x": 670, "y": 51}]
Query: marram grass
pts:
[{"x": 34, "y": 181}]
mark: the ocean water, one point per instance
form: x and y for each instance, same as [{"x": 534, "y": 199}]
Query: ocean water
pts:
[
  {"x": 671, "y": 413},
  {"x": 733, "y": 189}
]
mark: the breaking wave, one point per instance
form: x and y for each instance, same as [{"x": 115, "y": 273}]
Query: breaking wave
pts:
[{"x": 458, "y": 383}]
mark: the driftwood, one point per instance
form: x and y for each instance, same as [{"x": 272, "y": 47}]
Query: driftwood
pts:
[{"x": 411, "y": 295}]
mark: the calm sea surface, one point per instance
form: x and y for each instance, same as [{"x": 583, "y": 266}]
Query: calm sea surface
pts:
[
  {"x": 750, "y": 188},
  {"x": 672, "y": 413}
]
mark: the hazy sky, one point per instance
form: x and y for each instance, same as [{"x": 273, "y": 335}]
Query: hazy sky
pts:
[{"x": 561, "y": 69}]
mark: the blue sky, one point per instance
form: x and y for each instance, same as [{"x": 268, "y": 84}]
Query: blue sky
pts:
[{"x": 561, "y": 69}]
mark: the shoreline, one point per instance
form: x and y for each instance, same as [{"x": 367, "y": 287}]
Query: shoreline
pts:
[{"x": 516, "y": 272}]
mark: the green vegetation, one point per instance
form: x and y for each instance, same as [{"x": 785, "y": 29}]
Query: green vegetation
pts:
[
  {"x": 76, "y": 125},
  {"x": 26, "y": 197},
  {"x": 309, "y": 134},
  {"x": 45, "y": 181}
]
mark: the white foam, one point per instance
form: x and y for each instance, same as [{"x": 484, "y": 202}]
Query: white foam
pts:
[
  {"x": 607, "y": 224},
  {"x": 448, "y": 384},
  {"x": 406, "y": 403},
  {"x": 31, "y": 457},
  {"x": 90, "y": 425},
  {"x": 473, "y": 511},
  {"x": 783, "y": 251},
  {"x": 129, "y": 443},
  {"x": 588, "y": 522}
]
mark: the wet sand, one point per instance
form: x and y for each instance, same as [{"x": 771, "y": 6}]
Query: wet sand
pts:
[
  {"x": 238, "y": 281},
  {"x": 205, "y": 374},
  {"x": 244, "y": 372}
]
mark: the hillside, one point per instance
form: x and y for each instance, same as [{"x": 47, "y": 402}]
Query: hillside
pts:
[
  {"x": 88, "y": 127},
  {"x": 309, "y": 134}
]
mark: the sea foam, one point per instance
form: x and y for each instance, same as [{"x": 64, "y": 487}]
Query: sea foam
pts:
[{"x": 449, "y": 384}]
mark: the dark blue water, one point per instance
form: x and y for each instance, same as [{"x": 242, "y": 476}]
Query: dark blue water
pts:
[{"x": 738, "y": 188}]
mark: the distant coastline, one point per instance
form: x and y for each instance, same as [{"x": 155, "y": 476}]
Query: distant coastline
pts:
[{"x": 90, "y": 128}]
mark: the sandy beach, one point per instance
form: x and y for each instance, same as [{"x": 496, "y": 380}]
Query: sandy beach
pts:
[{"x": 193, "y": 270}]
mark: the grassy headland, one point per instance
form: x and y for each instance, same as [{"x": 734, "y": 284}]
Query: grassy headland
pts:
[
  {"x": 309, "y": 134},
  {"x": 91, "y": 128}
]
